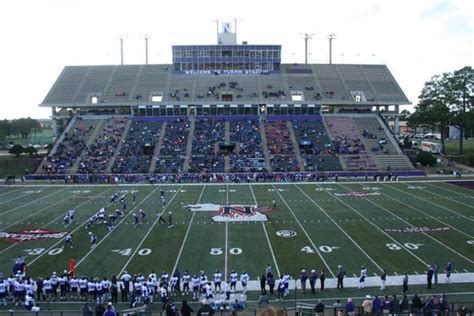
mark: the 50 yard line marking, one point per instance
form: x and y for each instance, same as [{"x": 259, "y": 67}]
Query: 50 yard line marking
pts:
[
  {"x": 304, "y": 231},
  {"x": 55, "y": 219},
  {"x": 148, "y": 233},
  {"x": 187, "y": 233},
  {"x": 266, "y": 234},
  {"x": 341, "y": 229},
  {"x": 226, "y": 230}
]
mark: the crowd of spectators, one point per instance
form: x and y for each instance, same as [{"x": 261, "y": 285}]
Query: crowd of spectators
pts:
[
  {"x": 70, "y": 149},
  {"x": 99, "y": 154},
  {"x": 206, "y": 156},
  {"x": 276, "y": 94},
  {"x": 173, "y": 148},
  {"x": 248, "y": 153},
  {"x": 316, "y": 149},
  {"x": 280, "y": 147},
  {"x": 136, "y": 152}
]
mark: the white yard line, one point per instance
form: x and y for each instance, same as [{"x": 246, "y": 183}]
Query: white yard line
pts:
[
  {"x": 54, "y": 220},
  {"x": 440, "y": 206},
  {"x": 62, "y": 239},
  {"x": 34, "y": 201},
  {"x": 226, "y": 232},
  {"x": 115, "y": 227},
  {"x": 341, "y": 229},
  {"x": 13, "y": 199},
  {"x": 411, "y": 225},
  {"x": 378, "y": 228},
  {"x": 35, "y": 213},
  {"x": 446, "y": 198},
  {"x": 11, "y": 191},
  {"x": 304, "y": 231},
  {"x": 452, "y": 191},
  {"x": 147, "y": 234},
  {"x": 427, "y": 214},
  {"x": 187, "y": 233},
  {"x": 266, "y": 235}
]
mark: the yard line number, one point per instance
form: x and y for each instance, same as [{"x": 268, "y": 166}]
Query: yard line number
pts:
[
  {"x": 408, "y": 245},
  {"x": 129, "y": 251},
  {"x": 219, "y": 251}
]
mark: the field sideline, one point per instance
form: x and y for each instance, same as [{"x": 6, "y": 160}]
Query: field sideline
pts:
[{"x": 327, "y": 224}]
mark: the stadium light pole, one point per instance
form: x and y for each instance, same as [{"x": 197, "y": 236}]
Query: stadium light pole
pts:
[
  {"x": 121, "y": 50},
  {"x": 331, "y": 37},
  {"x": 146, "y": 37},
  {"x": 235, "y": 26},
  {"x": 306, "y": 37}
]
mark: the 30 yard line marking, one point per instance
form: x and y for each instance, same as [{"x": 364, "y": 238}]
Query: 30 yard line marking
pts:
[
  {"x": 304, "y": 231},
  {"x": 62, "y": 239},
  {"x": 187, "y": 233},
  {"x": 51, "y": 222},
  {"x": 411, "y": 225},
  {"x": 23, "y": 205},
  {"x": 266, "y": 235},
  {"x": 149, "y": 232},
  {"x": 429, "y": 216},
  {"x": 440, "y": 206},
  {"x": 340, "y": 228},
  {"x": 378, "y": 228}
]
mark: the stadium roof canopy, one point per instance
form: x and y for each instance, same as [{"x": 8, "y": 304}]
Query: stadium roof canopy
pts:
[{"x": 125, "y": 85}]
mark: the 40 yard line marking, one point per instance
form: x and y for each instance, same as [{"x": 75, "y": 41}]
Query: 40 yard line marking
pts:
[
  {"x": 187, "y": 233},
  {"x": 266, "y": 235},
  {"x": 304, "y": 231},
  {"x": 440, "y": 206},
  {"x": 23, "y": 205},
  {"x": 411, "y": 225},
  {"x": 148, "y": 233},
  {"x": 341, "y": 229},
  {"x": 57, "y": 218}
]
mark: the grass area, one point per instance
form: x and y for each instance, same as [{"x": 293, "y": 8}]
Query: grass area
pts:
[
  {"x": 326, "y": 225},
  {"x": 452, "y": 147},
  {"x": 45, "y": 137},
  {"x": 11, "y": 165}
]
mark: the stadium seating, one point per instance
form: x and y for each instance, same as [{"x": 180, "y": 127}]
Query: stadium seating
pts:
[
  {"x": 315, "y": 146},
  {"x": 70, "y": 149},
  {"x": 173, "y": 149},
  {"x": 98, "y": 155},
  {"x": 280, "y": 147},
  {"x": 248, "y": 153},
  {"x": 136, "y": 152},
  {"x": 206, "y": 156}
]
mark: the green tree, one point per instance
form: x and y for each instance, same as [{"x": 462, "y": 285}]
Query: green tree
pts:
[
  {"x": 16, "y": 150},
  {"x": 25, "y": 126},
  {"x": 404, "y": 115}
]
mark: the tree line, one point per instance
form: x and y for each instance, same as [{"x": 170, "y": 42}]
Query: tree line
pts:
[{"x": 447, "y": 100}]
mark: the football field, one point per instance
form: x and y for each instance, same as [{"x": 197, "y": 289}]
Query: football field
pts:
[{"x": 397, "y": 226}]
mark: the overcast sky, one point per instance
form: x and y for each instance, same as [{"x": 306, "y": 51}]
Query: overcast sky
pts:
[{"x": 415, "y": 38}]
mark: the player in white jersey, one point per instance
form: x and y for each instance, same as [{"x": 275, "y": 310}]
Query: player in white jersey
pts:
[
  {"x": 363, "y": 275},
  {"x": 227, "y": 290},
  {"x": 233, "y": 280},
  {"x": 63, "y": 285},
  {"x": 203, "y": 282},
  {"x": 209, "y": 292},
  {"x": 186, "y": 279},
  {"x": 83, "y": 288},
  {"x": 19, "y": 292},
  {"x": 174, "y": 283},
  {"x": 73, "y": 287},
  {"x": 217, "y": 281},
  {"x": 151, "y": 286},
  {"x": 3, "y": 290},
  {"x": 93, "y": 239},
  {"x": 68, "y": 241},
  {"x": 47, "y": 289},
  {"x": 244, "y": 278},
  {"x": 195, "y": 281}
]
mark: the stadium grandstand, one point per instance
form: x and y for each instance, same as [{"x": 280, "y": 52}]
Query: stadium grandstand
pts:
[{"x": 225, "y": 108}]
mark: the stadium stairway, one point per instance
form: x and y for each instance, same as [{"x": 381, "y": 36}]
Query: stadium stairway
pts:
[
  {"x": 89, "y": 142},
  {"x": 227, "y": 140},
  {"x": 119, "y": 145},
  {"x": 156, "y": 151},
  {"x": 189, "y": 144},
  {"x": 265, "y": 146},
  {"x": 331, "y": 137},
  {"x": 59, "y": 140},
  {"x": 296, "y": 146},
  {"x": 389, "y": 134}
]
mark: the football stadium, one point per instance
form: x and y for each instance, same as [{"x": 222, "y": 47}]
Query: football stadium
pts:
[{"x": 231, "y": 177}]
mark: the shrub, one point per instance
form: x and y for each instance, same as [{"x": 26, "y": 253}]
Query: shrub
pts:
[{"x": 425, "y": 158}]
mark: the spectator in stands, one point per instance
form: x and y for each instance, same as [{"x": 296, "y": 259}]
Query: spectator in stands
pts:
[
  {"x": 319, "y": 308},
  {"x": 367, "y": 305},
  {"x": 350, "y": 307},
  {"x": 263, "y": 300},
  {"x": 186, "y": 310},
  {"x": 205, "y": 309}
]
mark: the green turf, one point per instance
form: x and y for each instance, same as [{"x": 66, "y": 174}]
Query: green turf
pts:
[
  {"x": 452, "y": 147},
  {"x": 335, "y": 229}
]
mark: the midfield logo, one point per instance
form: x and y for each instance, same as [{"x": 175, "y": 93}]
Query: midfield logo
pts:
[
  {"x": 32, "y": 234},
  {"x": 232, "y": 213}
]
